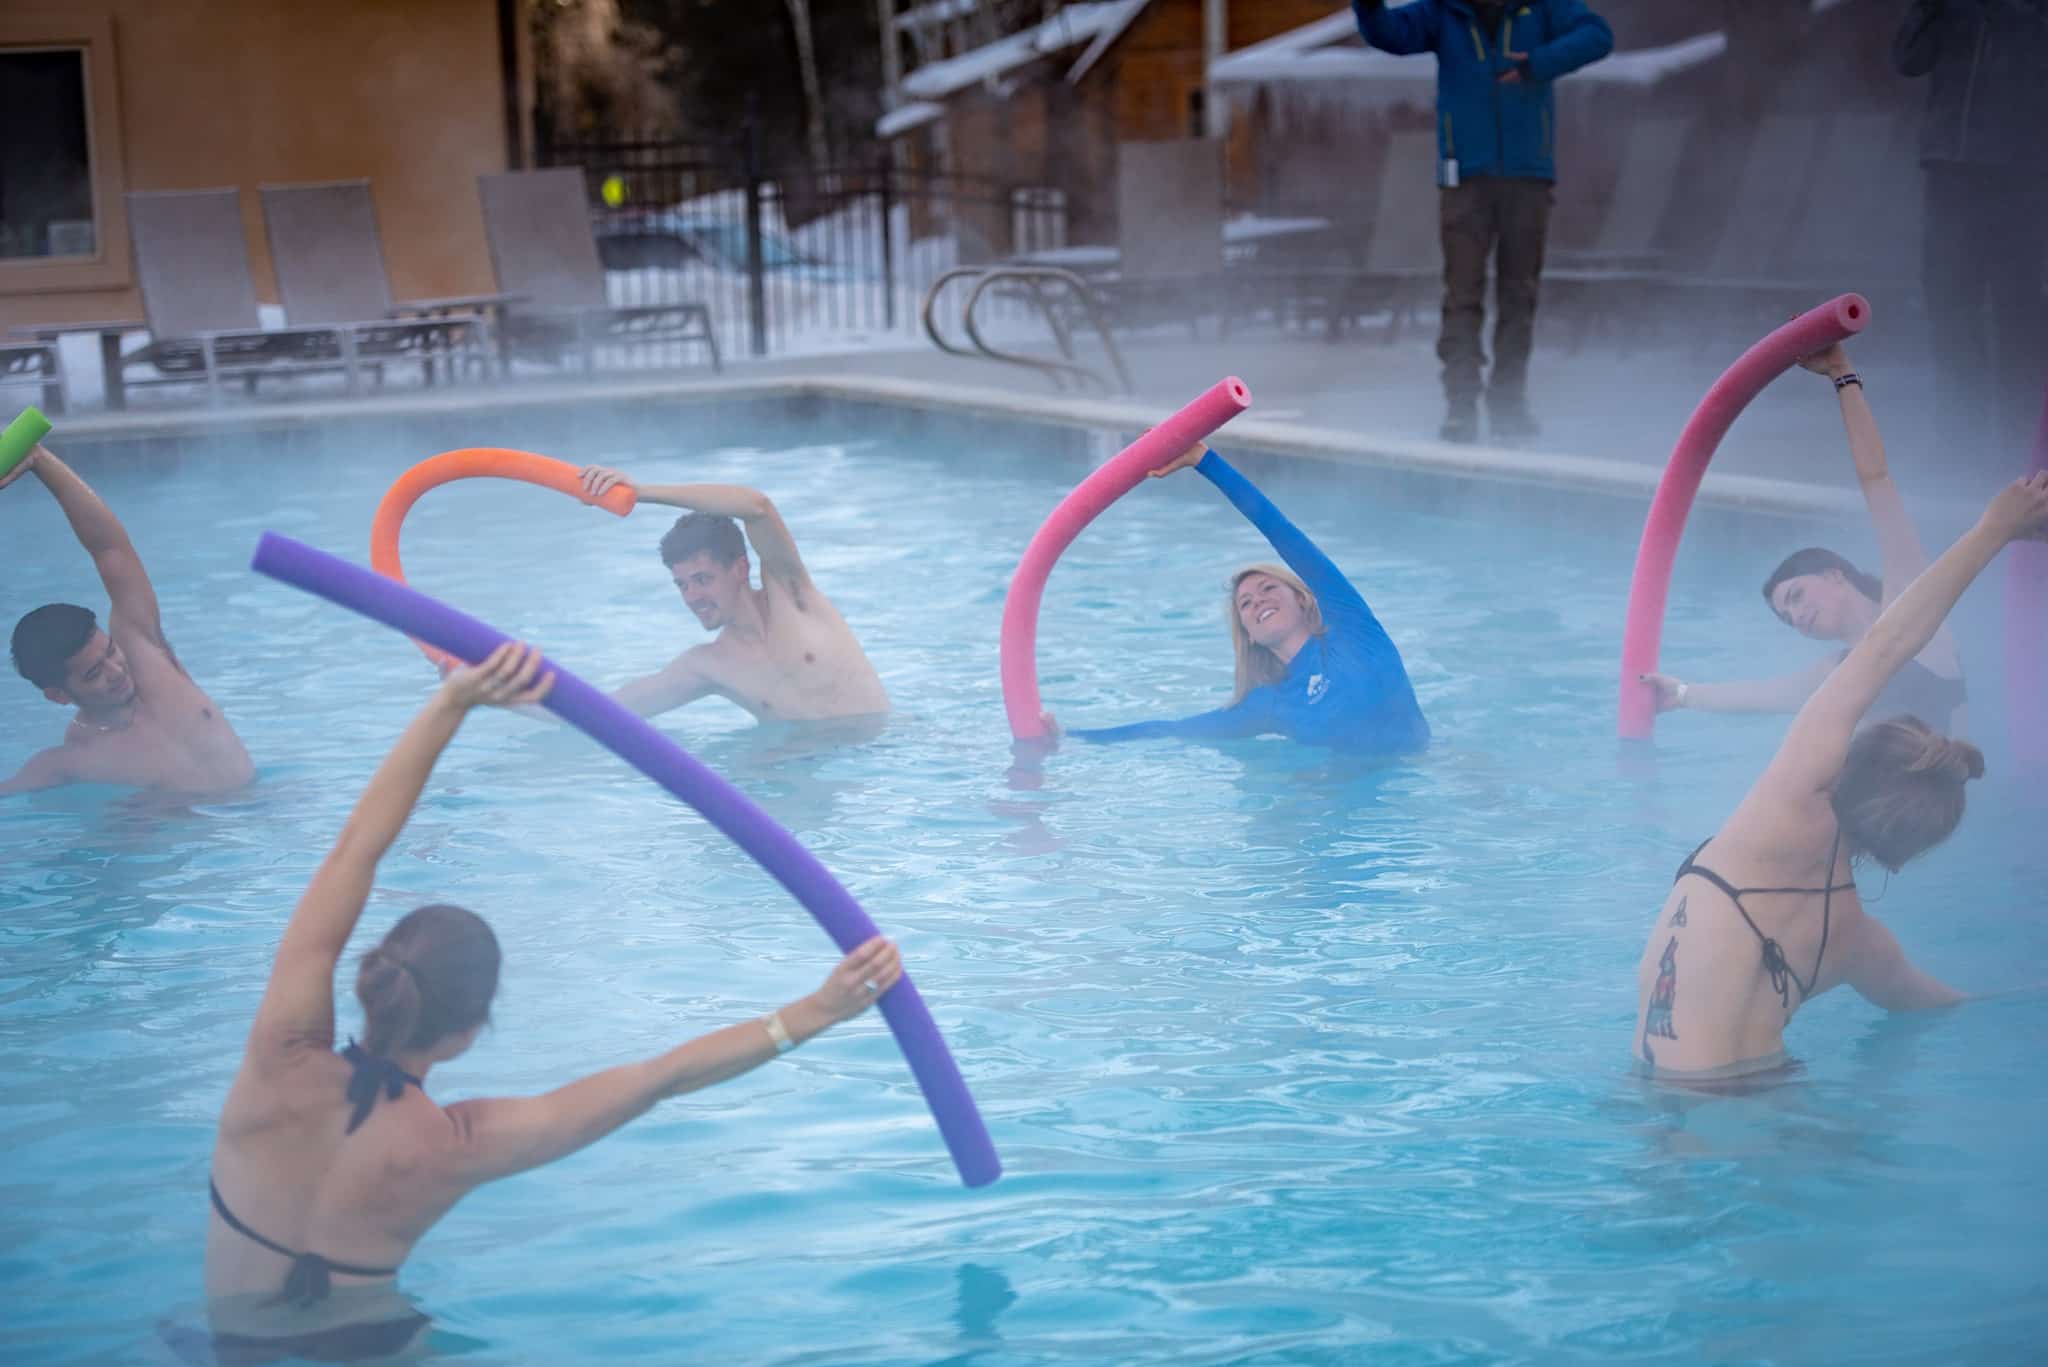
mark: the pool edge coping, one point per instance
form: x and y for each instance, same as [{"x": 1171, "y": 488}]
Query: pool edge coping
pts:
[{"x": 1095, "y": 414}]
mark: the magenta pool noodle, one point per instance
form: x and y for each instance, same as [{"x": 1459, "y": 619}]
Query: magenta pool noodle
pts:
[
  {"x": 661, "y": 759},
  {"x": 1116, "y": 477},
  {"x": 2026, "y": 634},
  {"x": 1841, "y": 317}
]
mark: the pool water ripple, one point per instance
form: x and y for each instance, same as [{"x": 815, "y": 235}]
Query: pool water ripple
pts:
[{"x": 1290, "y": 1059}]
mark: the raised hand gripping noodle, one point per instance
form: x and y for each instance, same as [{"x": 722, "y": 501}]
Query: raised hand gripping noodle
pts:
[
  {"x": 473, "y": 462},
  {"x": 1116, "y": 477},
  {"x": 653, "y": 754},
  {"x": 20, "y": 437}
]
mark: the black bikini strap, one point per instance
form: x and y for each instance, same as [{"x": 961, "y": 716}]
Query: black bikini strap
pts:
[
  {"x": 1826, "y": 904},
  {"x": 1783, "y": 976},
  {"x": 311, "y": 1276},
  {"x": 1774, "y": 953},
  {"x": 238, "y": 1227},
  {"x": 1689, "y": 867},
  {"x": 373, "y": 1074}
]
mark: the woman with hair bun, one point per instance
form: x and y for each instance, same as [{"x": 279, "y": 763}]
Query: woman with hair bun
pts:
[
  {"x": 1822, "y": 595},
  {"x": 1778, "y": 921},
  {"x": 329, "y": 1166}
]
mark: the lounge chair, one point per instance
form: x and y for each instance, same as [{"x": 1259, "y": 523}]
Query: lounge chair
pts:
[
  {"x": 1742, "y": 278},
  {"x": 33, "y": 365},
  {"x": 330, "y": 269},
  {"x": 1169, "y": 226},
  {"x": 193, "y": 264},
  {"x": 1404, "y": 244},
  {"x": 538, "y": 225},
  {"x": 1862, "y": 225},
  {"x": 1643, "y": 186},
  {"x": 1600, "y": 286}
]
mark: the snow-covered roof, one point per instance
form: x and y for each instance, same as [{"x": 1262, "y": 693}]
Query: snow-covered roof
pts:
[
  {"x": 1313, "y": 53},
  {"x": 905, "y": 117},
  {"x": 1330, "y": 50},
  {"x": 1110, "y": 33},
  {"x": 1072, "y": 25},
  {"x": 934, "y": 14}
]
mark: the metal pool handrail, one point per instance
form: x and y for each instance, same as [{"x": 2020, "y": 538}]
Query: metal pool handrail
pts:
[{"x": 1034, "y": 279}]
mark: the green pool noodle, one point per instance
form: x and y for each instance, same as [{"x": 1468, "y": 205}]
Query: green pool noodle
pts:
[{"x": 20, "y": 438}]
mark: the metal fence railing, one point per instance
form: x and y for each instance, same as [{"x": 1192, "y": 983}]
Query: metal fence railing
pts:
[{"x": 789, "y": 261}]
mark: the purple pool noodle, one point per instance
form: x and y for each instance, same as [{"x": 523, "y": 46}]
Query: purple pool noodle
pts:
[{"x": 661, "y": 759}]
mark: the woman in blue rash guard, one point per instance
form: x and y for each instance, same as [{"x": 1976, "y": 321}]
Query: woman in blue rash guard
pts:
[{"x": 1313, "y": 663}]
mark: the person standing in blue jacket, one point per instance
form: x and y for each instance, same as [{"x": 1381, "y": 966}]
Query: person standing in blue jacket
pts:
[
  {"x": 1496, "y": 125},
  {"x": 1313, "y": 663}
]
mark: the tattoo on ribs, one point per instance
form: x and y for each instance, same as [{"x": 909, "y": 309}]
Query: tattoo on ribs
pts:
[
  {"x": 1678, "y": 915},
  {"x": 1657, "y": 1017}
]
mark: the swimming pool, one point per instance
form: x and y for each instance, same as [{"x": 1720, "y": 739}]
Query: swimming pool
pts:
[{"x": 1289, "y": 1061}]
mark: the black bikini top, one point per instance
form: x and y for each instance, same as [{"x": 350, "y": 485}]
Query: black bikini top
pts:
[
  {"x": 1783, "y": 976},
  {"x": 373, "y": 1074},
  {"x": 311, "y": 1274}
]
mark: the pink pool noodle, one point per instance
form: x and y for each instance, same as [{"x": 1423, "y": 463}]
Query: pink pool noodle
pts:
[
  {"x": 1833, "y": 321},
  {"x": 1223, "y": 401},
  {"x": 2026, "y": 634}
]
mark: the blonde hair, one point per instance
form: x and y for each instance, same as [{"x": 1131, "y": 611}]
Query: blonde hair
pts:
[
  {"x": 1900, "y": 792},
  {"x": 1256, "y": 665}
]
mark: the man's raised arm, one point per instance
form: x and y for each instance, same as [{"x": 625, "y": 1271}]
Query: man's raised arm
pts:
[
  {"x": 756, "y": 513},
  {"x": 106, "y": 541}
]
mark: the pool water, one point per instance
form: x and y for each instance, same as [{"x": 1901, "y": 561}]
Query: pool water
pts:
[{"x": 1290, "y": 1060}]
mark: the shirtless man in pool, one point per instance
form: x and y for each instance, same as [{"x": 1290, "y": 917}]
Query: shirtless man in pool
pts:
[
  {"x": 141, "y": 721},
  {"x": 782, "y": 651}
]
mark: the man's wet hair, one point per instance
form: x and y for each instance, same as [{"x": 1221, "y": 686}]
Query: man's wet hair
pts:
[
  {"x": 46, "y": 639},
  {"x": 718, "y": 536}
]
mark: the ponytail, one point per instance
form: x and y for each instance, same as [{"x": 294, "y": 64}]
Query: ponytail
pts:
[
  {"x": 390, "y": 993},
  {"x": 433, "y": 976}
]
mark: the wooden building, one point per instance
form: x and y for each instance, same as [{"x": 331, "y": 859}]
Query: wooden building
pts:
[{"x": 102, "y": 97}]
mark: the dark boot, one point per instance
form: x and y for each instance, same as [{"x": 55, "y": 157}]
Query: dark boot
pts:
[
  {"x": 1509, "y": 421},
  {"x": 1461, "y": 422}
]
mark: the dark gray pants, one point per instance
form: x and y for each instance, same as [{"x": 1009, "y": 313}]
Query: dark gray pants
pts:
[
  {"x": 1506, "y": 219},
  {"x": 1985, "y": 249}
]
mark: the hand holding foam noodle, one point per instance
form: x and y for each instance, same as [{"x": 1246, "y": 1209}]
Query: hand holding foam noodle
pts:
[
  {"x": 1165, "y": 445},
  {"x": 19, "y": 440},
  {"x": 475, "y": 462},
  {"x": 442, "y": 629},
  {"x": 1812, "y": 331}
]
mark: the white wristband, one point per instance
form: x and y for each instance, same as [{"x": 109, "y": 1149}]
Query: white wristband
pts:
[
  {"x": 1683, "y": 689},
  {"x": 779, "y": 1033}
]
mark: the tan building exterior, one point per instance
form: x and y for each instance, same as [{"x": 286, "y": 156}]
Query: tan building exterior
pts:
[{"x": 417, "y": 96}]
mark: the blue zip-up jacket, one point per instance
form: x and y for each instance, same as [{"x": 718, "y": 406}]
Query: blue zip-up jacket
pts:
[
  {"x": 1488, "y": 127},
  {"x": 1346, "y": 688}
]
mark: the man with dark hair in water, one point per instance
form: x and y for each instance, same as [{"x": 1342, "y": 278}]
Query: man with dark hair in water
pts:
[
  {"x": 141, "y": 721},
  {"x": 782, "y": 651}
]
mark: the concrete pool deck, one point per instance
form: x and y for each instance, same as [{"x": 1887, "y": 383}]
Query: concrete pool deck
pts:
[{"x": 1609, "y": 419}]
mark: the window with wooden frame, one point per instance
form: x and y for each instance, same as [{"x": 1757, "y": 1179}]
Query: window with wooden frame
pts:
[{"x": 62, "y": 221}]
